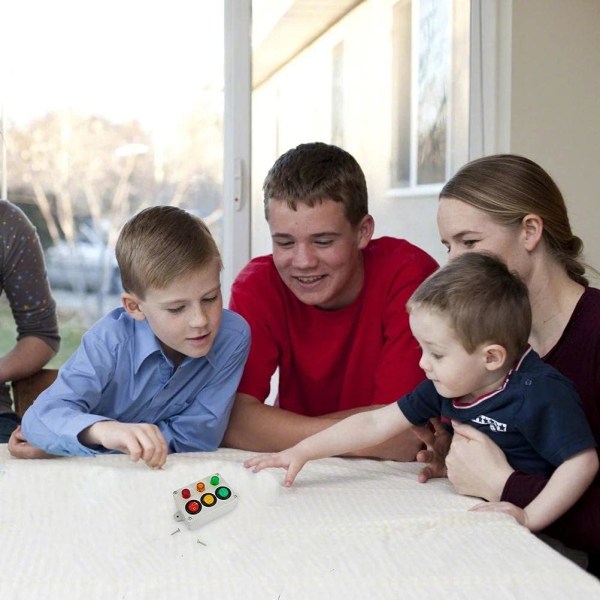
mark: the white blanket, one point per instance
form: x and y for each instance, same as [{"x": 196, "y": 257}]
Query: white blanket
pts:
[{"x": 104, "y": 528}]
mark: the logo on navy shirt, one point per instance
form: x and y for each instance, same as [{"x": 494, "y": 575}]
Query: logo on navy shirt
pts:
[{"x": 493, "y": 424}]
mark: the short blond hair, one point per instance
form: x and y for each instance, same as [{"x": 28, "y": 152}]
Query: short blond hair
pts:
[
  {"x": 484, "y": 302},
  {"x": 159, "y": 245}
]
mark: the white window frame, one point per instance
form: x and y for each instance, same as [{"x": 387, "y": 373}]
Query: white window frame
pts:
[
  {"x": 490, "y": 79},
  {"x": 236, "y": 140}
]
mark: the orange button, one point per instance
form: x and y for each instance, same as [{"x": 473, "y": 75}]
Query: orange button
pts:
[{"x": 200, "y": 486}]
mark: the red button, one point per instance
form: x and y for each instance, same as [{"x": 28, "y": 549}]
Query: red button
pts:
[
  {"x": 185, "y": 493},
  {"x": 193, "y": 507}
]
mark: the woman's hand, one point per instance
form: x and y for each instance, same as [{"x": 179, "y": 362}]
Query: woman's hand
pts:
[
  {"x": 438, "y": 444},
  {"x": 503, "y": 507},
  {"x": 476, "y": 466}
]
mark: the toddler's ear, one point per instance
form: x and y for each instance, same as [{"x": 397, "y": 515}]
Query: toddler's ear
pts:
[
  {"x": 131, "y": 304},
  {"x": 495, "y": 357}
]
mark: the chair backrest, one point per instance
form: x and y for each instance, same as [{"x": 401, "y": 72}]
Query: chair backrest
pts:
[{"x": 26, "y": 390}]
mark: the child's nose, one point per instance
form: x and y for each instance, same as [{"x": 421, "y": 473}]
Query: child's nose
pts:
[{"x": 199, "y": 318}]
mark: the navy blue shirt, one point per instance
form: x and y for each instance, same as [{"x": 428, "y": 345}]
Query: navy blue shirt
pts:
[{"x": 536, "y": 417}]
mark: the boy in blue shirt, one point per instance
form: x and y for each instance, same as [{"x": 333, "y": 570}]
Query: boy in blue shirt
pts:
[
  {"x": 472, "y": 319},
  {"x": 159, "y": 374}
]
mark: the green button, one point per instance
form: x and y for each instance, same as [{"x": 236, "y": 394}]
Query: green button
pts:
[
  {"x": 214, "y": 480},
  {"x": 223, "y": 493}
]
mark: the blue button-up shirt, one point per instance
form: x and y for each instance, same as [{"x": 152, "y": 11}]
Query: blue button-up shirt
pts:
[{"x": 120, "y": 373}]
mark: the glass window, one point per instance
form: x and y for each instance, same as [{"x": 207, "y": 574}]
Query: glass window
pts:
[
  {"x": 109, "y": 108},
  {"x": 432, "y": 89},
  {"x": 401, "y": 85},
  {"x": 427, "y": 68}
]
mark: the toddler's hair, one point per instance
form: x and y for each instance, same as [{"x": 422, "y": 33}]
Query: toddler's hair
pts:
[{"x": 483, "y": 301}]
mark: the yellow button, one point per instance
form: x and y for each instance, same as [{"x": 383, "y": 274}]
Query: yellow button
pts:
[{"x": 208, "y": 499}]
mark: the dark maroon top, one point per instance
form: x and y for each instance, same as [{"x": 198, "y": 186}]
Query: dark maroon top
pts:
[{"x": 576, "y": 355}]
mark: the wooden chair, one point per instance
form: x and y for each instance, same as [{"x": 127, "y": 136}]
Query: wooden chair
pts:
[{"x": 26, "y": 390}]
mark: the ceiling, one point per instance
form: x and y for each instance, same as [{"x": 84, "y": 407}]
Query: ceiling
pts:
[{"x": 298, "y": 26}]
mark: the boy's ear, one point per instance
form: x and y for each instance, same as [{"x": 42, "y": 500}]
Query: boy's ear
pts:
[
  {"x": 365, "y": 230},
  {"x": 131, "y": 304},
  {"x": 495, "y": 357}
]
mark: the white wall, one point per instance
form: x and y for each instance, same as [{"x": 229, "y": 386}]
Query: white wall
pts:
[
  {"x": 298, "y": 98},
  {"x": 555, "y": 102},
  {"x": 545, "y": 104}
]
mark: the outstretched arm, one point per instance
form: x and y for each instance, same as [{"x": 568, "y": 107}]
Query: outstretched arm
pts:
[
  {"x": 357, "y": 431},
  {"x": 261, "y": 428},
  {"x": 565, "y": 487}
]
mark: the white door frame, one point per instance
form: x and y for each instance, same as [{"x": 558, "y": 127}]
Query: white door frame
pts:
[
  {"x": 237, "y": 121},
  {"x": 490, "y": 77}
]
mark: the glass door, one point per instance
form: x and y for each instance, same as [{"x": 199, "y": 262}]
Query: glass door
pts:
[{"x": 109, "y": 107}]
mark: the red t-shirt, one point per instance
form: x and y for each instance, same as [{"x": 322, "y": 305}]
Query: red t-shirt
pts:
[{"x": 358, "y": 355}]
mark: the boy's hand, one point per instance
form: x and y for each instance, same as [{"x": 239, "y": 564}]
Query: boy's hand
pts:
[
  {"x": 139, "y": 440},
  {"x": 438, "y": 443},
  {"x": 503, "y": 507},
  {"x": 291, "y": 460},
  {"x": 19, "y": 447}
]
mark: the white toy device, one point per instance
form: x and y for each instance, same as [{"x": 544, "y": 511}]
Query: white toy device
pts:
[{"x": 204, "y": 500}]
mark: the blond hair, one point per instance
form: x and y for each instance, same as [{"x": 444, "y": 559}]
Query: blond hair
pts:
[{"x": 159, "y": 245}]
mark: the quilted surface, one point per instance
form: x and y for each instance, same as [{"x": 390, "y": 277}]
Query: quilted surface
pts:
[{"x": 103, "y": 528}]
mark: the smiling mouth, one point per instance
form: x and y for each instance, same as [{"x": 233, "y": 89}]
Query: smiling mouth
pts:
[{"x": 308, "y": 280}]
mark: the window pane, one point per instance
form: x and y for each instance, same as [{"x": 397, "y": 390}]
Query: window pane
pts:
[
  {"x": 433, "y": 86},
  {"x": 401, "y": 96},
  {"x": 110, "y": 108}
]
